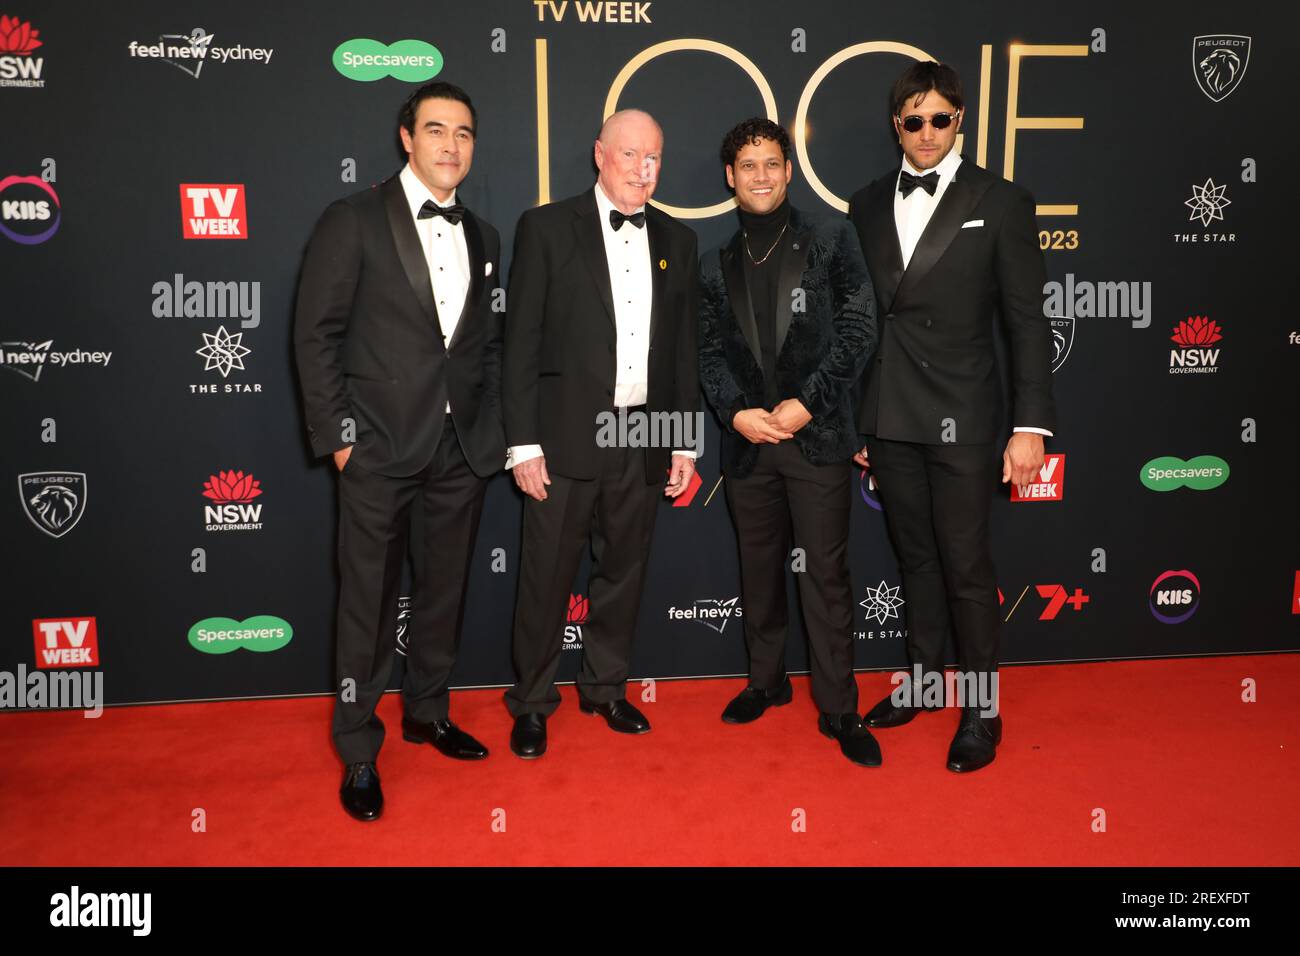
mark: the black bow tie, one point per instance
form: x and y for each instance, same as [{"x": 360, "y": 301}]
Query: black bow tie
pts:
[
  {"x": 907, "y": 182},
  {"x": 616, "y": 219},
  {"x": 453, "y": 214}
]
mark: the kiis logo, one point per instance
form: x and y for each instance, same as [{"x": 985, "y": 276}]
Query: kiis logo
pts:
[
  {"x": 1174, "y": 596},
  {"x": 1191, "y": 335},
  {"x": 66, "y": 642},
  {"x": 29, "y": 209},
  {"x": 1169, "y": 473},
  {"x": 1050, "y": 485},
  {"x": 221, "y": 635},
  {"x": 213, "y": 211},
  {"x": 232, "y": 491},
  {"x": 579, "y": 608},
  {"x": 869, "y": 489},
  {"x": 411, "y": 61},
  {"x": 18, "y": 67}
]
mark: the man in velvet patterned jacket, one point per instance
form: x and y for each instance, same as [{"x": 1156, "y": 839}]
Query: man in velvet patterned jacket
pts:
[{"x": 787, "y": 324}]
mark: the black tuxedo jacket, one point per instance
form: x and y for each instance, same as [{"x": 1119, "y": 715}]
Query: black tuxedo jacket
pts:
[
  {"x": 561, "y": 338},
  {"x": 978, "y": 257},
  {"x": 821, "y": 350},
  {"x": 369, "y": 343}
]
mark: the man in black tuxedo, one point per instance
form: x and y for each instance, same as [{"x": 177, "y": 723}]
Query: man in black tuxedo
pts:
[
  {"x": 949, "y": 246},
  {"x": 399, "y": 355},
  {"x": 602, "y": 318},
  {"x": 787, "y": 323}
]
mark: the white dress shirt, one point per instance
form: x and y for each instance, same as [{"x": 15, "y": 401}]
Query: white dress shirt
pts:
[
  {"x": 627, "y": 253},
  {"x": 912, "y": 214},
  {"x": 445, "y": 251}
]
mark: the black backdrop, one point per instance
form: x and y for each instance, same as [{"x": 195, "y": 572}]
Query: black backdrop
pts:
[{"x": 115, "y": 136}]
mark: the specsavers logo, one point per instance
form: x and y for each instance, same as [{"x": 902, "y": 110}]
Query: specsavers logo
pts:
[
  {"x": 221, "y": 635},
  {"x": 1169, "y": 473},
  {"x": 411, "y": 61}
]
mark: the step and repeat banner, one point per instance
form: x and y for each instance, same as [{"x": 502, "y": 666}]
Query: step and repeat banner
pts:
[{"x": 162, "y": 166}]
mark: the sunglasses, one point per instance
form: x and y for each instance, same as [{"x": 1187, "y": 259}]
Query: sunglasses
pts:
[{"x": 914, "y": 123}]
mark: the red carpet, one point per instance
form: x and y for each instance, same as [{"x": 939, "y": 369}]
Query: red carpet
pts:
[{"x": 1186, "y": 773}]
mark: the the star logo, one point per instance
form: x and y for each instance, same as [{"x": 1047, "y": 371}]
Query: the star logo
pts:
[
  {"x": 223, "y": 351},
  {"x": 1207, "y": 202},
  {"x": 882, "y": 603}
]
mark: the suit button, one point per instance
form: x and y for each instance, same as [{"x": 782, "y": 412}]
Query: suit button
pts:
[
  {"x": 928, "y": 323},
  {"x": 925, "y": 364},
  {"x": 889, "y": 315}
]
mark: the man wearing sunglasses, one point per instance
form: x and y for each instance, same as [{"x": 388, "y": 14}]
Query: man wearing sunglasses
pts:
[{"x": 949, "y": 246}]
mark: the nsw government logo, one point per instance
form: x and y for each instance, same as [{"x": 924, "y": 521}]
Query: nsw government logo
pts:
[
  {"x": 1174, "y": 596},
  {"x": 232, "y": 494},
  {"x": 579, "y": 608},
  {"x": 53, "y": 500},
  {"x": 1219, "y": 63},
  {"x": 1192, "y": 354},
  {"x": 18, "y": 41}
]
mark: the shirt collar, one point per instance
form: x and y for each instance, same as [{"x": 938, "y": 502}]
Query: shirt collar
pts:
[
  {"x": 946, "y": 169},
  {"x": 417, "y": 193},
  {"x": 604, "y": 204}
]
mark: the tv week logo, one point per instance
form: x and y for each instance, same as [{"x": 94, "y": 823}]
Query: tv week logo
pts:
[
  {"x": 213, "y": 211},
  {"x": 1050, "y": 485},
  {"x": 66, "y": 642}
]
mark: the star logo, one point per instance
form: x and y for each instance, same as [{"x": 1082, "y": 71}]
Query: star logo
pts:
[
  {"x": 1207, "y": 202},
  {"x": 223, "y": 351},
  {"x": 882, "y": 603}
]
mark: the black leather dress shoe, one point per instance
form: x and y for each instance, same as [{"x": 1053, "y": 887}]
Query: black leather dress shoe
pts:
[
  {"x": 976, "y": 742},
  {"x": 528, "y": 739},
  {"x": 750, "y": 703},
  {"x": 855, "y": 739},
  {"x": 619, "y": 714},
  {"x": 889, "y": 714},
  {"x": 360, "y": 792},
  {"x": 445, "y": 736}
]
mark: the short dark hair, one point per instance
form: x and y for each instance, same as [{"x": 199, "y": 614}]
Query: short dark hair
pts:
[
  {"x": 919, "y": 79},
  {"x": 749, "y": 133},
  {"x": 437, "y": 90}
]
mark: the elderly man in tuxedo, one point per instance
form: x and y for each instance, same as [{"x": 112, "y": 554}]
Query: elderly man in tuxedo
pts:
[{"x": 602, "y": 319}]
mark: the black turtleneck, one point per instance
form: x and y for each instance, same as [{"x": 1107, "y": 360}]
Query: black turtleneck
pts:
[{"x": 761, "y": 232}]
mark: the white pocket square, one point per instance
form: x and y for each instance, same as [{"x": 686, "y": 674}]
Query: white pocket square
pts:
[
  {"x": 487, "y": 269},
  {"x": 972, "y": 223}
]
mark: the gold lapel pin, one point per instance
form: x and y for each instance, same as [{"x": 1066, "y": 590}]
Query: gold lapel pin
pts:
[{"x": 663, "y": 264}]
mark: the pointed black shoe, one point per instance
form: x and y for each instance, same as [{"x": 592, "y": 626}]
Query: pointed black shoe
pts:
[
  {"x": 855, "y": 739},
  {"x": 888, "y": 714},
  {"x": 751, "y": 702},
  {"x": 528, "y": 738},
  {"x": 976, "y": 741},
  {"x": 619, "y": 714},
  {"x": 360, "y": 793},
  {"x": 445, "y": 736}
]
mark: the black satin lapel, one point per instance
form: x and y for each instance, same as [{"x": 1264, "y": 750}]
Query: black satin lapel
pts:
[
  {"x": 794, "y": 260},
  {"x": 592, "y": 242},
  {"x": 885, "y": 248},
  {"x": 409, "y": 250},
  {"x": 473, "y": 246},
  {"x": 660, "y": 263},
  {"x": 959, "y": 200},
  {"x": 733, "y": 272}
]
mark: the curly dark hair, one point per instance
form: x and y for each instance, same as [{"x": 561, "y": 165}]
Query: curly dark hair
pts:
[{"x": 749, "y": 133}]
